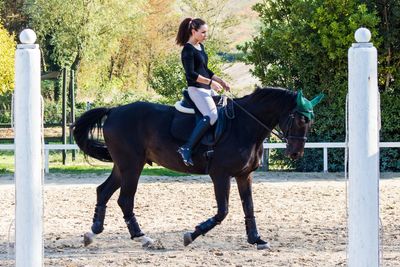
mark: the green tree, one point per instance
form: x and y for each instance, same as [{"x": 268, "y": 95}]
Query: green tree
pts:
[
  {"x": 389, "y": 54},
  {"x": 168, "y": 78},
  {"x": 83, "y": 35},
  {"x": 12, "y": 16},
  {"x": 130, "y": 66},
  {"x": 303, "y": 44},
  {"x": 71, "y": 31},
  {"x": 389, "y": 77},
  {"x": 7, "y": 51}
]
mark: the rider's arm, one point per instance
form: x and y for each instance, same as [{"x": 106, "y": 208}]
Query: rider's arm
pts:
[
  {"x": 216, "y": 78},
  {"x": 210, "y": 73},
  {"x": 202, "y": 79},
  {"x": 188, "y": 63},
  {"x": 220, "y": 81}
]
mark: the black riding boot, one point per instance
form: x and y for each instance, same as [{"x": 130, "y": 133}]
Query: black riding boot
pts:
[{"x": 186, "y": 150}]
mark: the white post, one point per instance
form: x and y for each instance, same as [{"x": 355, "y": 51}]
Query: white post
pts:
[
  {"x": 363, "y": 220},
  {"x": 28, "y": 154},
  {"x": 46, "y": 161},
  {"x": 325, "y": 159}
]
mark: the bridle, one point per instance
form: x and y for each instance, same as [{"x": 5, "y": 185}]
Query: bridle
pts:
[
  {"x": 284, "y": 136},
  {"x": 289, "y": 125}
]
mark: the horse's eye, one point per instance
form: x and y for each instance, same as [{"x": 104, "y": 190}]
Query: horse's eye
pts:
[{"x": 303, "y": 119}]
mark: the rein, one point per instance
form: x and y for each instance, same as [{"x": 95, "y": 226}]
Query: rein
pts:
[{"x": 283, "y": 137}]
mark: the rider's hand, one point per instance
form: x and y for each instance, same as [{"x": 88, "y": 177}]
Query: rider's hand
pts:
[
  {"x": 225, "y": 85},
  {"x": 216, "y": 86}
]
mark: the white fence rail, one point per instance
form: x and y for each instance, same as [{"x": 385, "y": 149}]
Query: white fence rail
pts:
[
  {"x": 324, "y": 146},
  {"x": 47, "y": 148}
]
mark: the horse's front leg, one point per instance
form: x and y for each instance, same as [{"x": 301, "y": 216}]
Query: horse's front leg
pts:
[
  {"x": 221, "y": 189},
  {"x": 245, "y": 192}
]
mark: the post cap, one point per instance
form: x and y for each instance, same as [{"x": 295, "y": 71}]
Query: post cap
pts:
[
  {"x": 362, "y": 35},
  {"x": 27, "y": 36}
]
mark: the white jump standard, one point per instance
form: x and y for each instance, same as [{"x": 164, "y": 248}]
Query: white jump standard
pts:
[
  {"x": 28, "y": 154},
  {"x": 363, "y": 220}
]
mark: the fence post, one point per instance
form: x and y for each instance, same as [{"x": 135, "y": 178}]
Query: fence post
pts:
[
  {"x": 325, "y": 149},
  {"x": 72, "y": 103},
  {"x": 363, "y": 220},
  {"x": 28, "y": 153},
  {"x": 64, "y": 114},
  {"x": 46, "y": 160}
]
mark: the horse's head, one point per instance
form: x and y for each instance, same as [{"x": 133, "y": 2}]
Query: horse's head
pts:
[{"x": 296, "y": 124}]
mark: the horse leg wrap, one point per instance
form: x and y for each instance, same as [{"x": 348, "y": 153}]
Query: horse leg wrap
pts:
[
  {"x": 251, "y": 230},
  {"x": 98, "y": 219},
  {"x": 134, "y": 228},
  {"x": 204, "y": 227}
]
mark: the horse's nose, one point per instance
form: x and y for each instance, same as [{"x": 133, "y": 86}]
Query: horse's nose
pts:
[{"x": 296, "y": 155}]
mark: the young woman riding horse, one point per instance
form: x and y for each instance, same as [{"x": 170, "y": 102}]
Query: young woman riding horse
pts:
[
  {"x": 200, "y": 80},
  {"x": 140, "y": 133}
]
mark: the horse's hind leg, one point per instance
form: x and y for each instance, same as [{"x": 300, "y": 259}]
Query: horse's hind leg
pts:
[
  {"x": 130, "y": 176},
  {"x": 221, "y": 190},
  {"x": 104, "y": 193}
]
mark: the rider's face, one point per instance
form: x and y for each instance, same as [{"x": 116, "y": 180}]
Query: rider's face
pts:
[{"x": 201, "y": 34}]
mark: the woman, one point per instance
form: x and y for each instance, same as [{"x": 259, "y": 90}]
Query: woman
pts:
[{"x": 200, "y": 79}]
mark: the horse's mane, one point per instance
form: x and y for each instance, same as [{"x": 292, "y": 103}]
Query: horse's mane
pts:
[{"x": 272, "y": 96}]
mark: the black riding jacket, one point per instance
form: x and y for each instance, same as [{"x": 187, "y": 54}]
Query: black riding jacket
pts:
[{"x": 195, "y": 64}]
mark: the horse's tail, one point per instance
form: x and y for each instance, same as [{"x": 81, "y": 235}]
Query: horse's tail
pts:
[{"x": 86, "y": 131}]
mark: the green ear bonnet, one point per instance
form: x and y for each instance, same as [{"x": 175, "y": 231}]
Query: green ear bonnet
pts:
[{"x": 305, "y": 106}]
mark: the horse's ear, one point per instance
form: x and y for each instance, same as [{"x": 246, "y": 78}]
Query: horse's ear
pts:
[
  {"x": 300, "y": 99},
  {"x": 317, "y": 99}
]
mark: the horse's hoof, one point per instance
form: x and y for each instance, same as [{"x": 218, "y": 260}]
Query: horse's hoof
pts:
[
  {"x": 263, "y": 246},
  {"x": 146, "y": 241},
  {"x": 88, "y": 238},
  {"x": 187, "y": 239}
]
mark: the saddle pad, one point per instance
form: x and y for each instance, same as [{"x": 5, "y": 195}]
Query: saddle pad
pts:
[{"x": 182, "y": 125}]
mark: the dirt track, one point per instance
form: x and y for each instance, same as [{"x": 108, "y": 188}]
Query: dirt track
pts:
[{"x": 303, "y": 216}]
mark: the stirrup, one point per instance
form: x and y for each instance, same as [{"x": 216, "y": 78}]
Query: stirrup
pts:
[{"x": 186, "y": 152}]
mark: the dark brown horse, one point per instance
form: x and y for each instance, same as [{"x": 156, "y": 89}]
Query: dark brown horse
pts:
[{"x": 140, "y": 133}]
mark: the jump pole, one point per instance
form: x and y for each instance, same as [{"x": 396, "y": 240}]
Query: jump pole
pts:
[
  {"x": 363, "y": 219},
  {"x": 28, "y": 153}
]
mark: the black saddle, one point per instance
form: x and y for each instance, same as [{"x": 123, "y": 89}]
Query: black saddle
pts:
[{"x": 187, "y": 115}]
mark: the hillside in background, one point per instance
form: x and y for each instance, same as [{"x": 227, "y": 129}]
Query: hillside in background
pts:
[
  {"x": 248, "y": 21},
  {"x": 242, "y": 82},
  {"x": 242, "y": 9},
  {"x": 237, "y": 73}
]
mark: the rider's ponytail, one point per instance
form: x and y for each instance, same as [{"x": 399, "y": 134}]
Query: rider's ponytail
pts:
[{"x": 185, "y": 29}]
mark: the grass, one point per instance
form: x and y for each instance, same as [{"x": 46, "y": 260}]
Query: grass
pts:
[
  {"x": 83, "y": 169},
  {"x": 92, "y": 166},
  {"x": 80, "y": 166}
]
